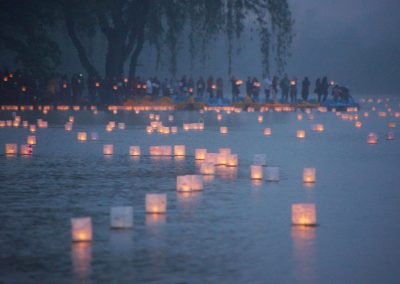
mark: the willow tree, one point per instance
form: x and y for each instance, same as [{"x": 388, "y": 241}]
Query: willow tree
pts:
[{"x": 128, "y": 25}]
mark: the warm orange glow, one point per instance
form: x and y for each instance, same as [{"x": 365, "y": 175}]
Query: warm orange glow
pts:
[
  {"x": 267, "y": 132},
  {"x": 97, "y": 84},
  {"x": 32, "y": 128},
  {"x": 82, "y": 136},
  {"x": 304, "y": 214},
  {"x": 156, "y": 203},
  {"x": 134, "y": 151},
  {"x": 301, "y": 134},
  {"x": 260, "y": 118},
  {"x": 81, "y": 229},
  {"x": 31, "y": 140},
  {"x": 179, "y": 150},
  {"x": 223, "y": 130},
  {"x": 232, "y": 160},
  {"x": 358, "y": 124},
  {"x": 309, "y": 175},
  {"x": 200, "y": 154},
  {"x": 372, "y": 138},
  {"x": 108, "y": 149},
  {"x": 392, "y": 124},
  {"x": 11, "y": 149},
  {"x": 256, "y": 172},
  {"x": 318, "y": 128}
]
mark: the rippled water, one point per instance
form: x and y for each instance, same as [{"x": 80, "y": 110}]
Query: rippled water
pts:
[{"x": 235, "y": 231}]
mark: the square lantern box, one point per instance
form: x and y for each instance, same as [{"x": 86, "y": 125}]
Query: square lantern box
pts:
[
  {"x": 31, "y": 140},
  {"x": 358, "y": 124},
  {"x": 318, "y": 127},
  {"x": 82, "y": 136},
  {"x": 272, "y": 173},
  {"x": 222, "y": 159},
  {"x": 134, "y": 151},
  {"x": 392, "y": 124},
  {"x": 200, "y": 154},
  {"x": 68, "y": 127},
  {"x": 81, "y": 229},
  {"x": 71, "y": 119},
  {"x": 189, "y": 183},
  {"x": 26, "y": 150},
  {"x": 372, "y": 138},
  {"x": 304, "y": 214},
  {"x": 121, "y": 125},
  {"x": 390, "y": 136},
  {"x": 207, "y": 168},
  {"x": 224, "y": 151},
  {"x": 179, "y": 150},
  {"x": 309, "y": 175},
  {"x": 256, "y": 172},
  {"x": 267, "y": 132},
  {"x": 301, "y": 134},
  {"x": 149, "y": 129},
  {"x": 170, "y": 117},
  {"x": 32, "y": 128},
  {"x": 25, "y": 124},
  {"x": 121, "y": 217},
  {"x": 156, "y": 203},
  {"x": 196, "y": 182},
  {"x": 174, "y": 129},
  {"x": 223, "y": 130},
  {"x": 232, "y": 160},
  {"x": 260, "y": 118},
  {"x": 166, "y": 150},
  {"x": 2, "y": 124},
  {"x": 94, "y": 136},
  {"x": 108, "y": 149},
  {"x": 11, "y": 149},
  {"x": 155, "y": 150},
  {"x": 211, "y": 158},
  {"x": 260, "y": 159}
]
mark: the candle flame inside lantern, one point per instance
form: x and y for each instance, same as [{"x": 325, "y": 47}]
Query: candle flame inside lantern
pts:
[
  {"x": 304, "y": 214},
  {"x": 309, "y": 175}
]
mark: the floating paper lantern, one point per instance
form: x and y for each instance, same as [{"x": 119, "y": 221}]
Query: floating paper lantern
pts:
[
  {"x": 81, "y": 229},
  {"x": 174, "y": 129},
  {"x": 260, "y": 159},
  {"x": 32, "y": 128},
  {"x": 183, "y": 183},
  {"x": 366, "y": 114},
  {"x": 26, "y": 150},
  {"x": 149, "y": 129},
  {"x": 68, "y": 126},
  {"x": 134, "y": 151},
  {"x": 304, "y": 214},
  {"x": 219, "y": 116},
  {"x": 392, "y": 124},
  {"x": 121, "y": 125},
  {"x": 372, "y": 138},
  {"x": 267, "y": 131},
  {"x": 256, "y": 172},
  {"x": 232, "y": 160},
  {"x": 11, "y": 149},
  {"x": 222, "y": 158},
  {"x": 179, "y": 150},
  {"x": 318, "y": 128},
  {"x": 358, "y": 124},
  {"x": 170, "y": 117},
  {"x": 301, "y": 134},
  {"x": 25, "y": 124},
  {"x": 94, "y": 136},
  {"x": 200, "y": 154},
  {"x": 272, "y": 173},
  {"x": 155, "y": 151},
  {"x": 260, "y": 118},
  {"x": 71, "y": 119},
  {"x": 196, "y": 182},
  {"x": 121, "y": 217},
  {"x": 166, "y": 150},
  {"x": 211, "y": 158},
  {"x": 156, "y": 203},
  {"x": 31, "y": 140},
  {"x": 224, "y": 151},
  {"x": 299, "y": 116},
  {"x": 2, "y": 124},
  {"x": 309, "y": 175},
  {"x": 207, "y": 168},
  {"x": 108, "y": 149},
  {"x": 390, "y": 136},
  {"x": 223, "y": 130},
  {"x": 82, "y": 136}
]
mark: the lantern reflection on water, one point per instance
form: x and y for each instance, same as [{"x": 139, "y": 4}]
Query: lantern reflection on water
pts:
[
  {"x": 304, "y": 214},
  {"x": 309, "y": 175},
  {"x": 256, "y": 172},
  {"x": 156, "y": 203},
  {"x": 81, "y": 229},
  {"x": 121, "y": 217}
]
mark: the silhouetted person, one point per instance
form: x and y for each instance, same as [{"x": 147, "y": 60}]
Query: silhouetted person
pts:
[
  {"x": 220, "y": 88},
  {"x": 325, "y": 87},
  {"x": 235, "y": 83},
  {"x": 210, "y": 87},
  {"x": 318, "y": 89},
  {"x": 275, "y": 81},
  {"x": 305, "y": 89},
  {"x": 200, "y": 87},
  {"x": 248, "y": 87},
  {"x": 284, "y": 85},
  {"x": 267, "y": 85},
  {"x": 293, "y": 90}
]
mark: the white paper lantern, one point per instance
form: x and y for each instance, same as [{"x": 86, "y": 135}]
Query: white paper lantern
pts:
[
  {"x": 174, "y": 129},
  {"x": 260, "y": 118},
  {"x": 121, "y": 217},
  {"x": 68, "y": 127},
  {"x": 166, "y": 150},
  {"x": 31, "y": 140},
  {"x": 260, "y": 159},
  {"x": 108, "y": 149},
  {"x": 211, "y": 158},
  {"x": 390, "y": 136},
  {"x": 94, "y": 136},
  {"x": 200, "y": 154},
  {"x": 32, "y": 128},
  {"x": 223, "y": 130},
  {"x": 26, "y": 150},
  {"x": 222, "y": 159},
  {"x": 256, "y": 172},
  {"x": 81, "y": 229},
  {"x": 156, "y": 203},
  {"x": 232, "y": 160},
  {"x": 196, "y": 182},
  {"x": 301, "y": 134},
  {"x": 372, "y": 138},
  {"x": 179, "y": 150},
  {"x": 309, "y": 175},
  {"x": 207, "y": 168},
  {"x": 304, "y": 214},
  {"x": 121, "y": 125},
  {"x": 82, "y": 136},
  {"x": 183, "y": 183},
  {"x": 11, "y": 149},
  {"x": 134, "y": 151},
  {"x": 272, "y": 173}
]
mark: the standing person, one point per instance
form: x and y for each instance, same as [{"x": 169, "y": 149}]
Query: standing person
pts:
[
  {"x": 190, "y": 86},
  {"x": 183, "y": 85},
  {"x": 235, "y": 88},
  {"x": 256, "y": 89},
  {"x": 200, "y": 87},
  {"x": 220, "y": 88},
  {"x": 325, "y": 87},
  {"x": 248, "y": 87},
  {"x": 293, "y": 90},
  {"x": 149, "y": 87},
  {"x": 65, "y": 89},
  {"x": 318, "y": 89},
  {"x": 305, "y": 89},
  {"x": 210, "y": 87},
  {"x": 284, "y": 85},
  {"x": 156, "y": 87},
  {"x": 267, "y": 85},
  {"x": 275, "y": 81}
]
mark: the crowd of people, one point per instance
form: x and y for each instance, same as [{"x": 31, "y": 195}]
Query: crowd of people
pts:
[{"x": 20, "y": 88}]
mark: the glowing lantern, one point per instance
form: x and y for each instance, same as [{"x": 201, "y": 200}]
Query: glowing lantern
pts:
[
  {"x": 366, "y": 114},
  {"x": 2, "y": 123},
  {"x": 179, "y": 150},
  {"x": 200, "y": 154},
  {"x": 358, "y": 124},
  {"x": 11, "y": 149},
  {"x": 149, "y": 129},
  {"x": 82, "y": 136},
  {"x": 222, "y": 158},
  {"x": 174, "y": 129},
  {"x": 256, "y": 172},
  {"x": 26, "y": 150},
  {"x": 304, "y": 214},
  {"x": 223, "y": 130},
  {"x": 68, "y": 126},
  {"x": 392, "y": 124},
  {"x": 301, "y": 134},
  {"x": 267, "y": 131},
  {"x": 196, "y": 182},
  {"x": 260, "y": 118},
  {"x": 390, "y": 136},
  {"x": 183, "y": 183},
  {"x": 31, "y": 140},
  {"x": 94, "y": 136},
  {"x": 71, "y": 119},
  {"x": 156, "y": 203},
  {"x": 134, "y": 151},
  {"x": 299, "y": 116},
  {"x": 25, "y": 124},
  {"x": 207, "y": 168},
  {"x": 32, "y": 128},
  {"x": 170, "y": 117},
  {"x": 260, "y": 159},
  {"x": 318, "y": 128},
  {"x": 309, "y": 175},
  {"x": 81, "y": 229},
  {"x": 121, "y": 125},
  {"x": 166, "y": 150},
  {"x": 121, "y": 217},
  {"x": 219, "y": 117},
  {"x": 108, "y": 149},
  {"x": 232, "y": 160},
  {"x": 272, "y": 173},
  {"x": 372, "y": 138},
  {"x": 211, "y": 158}
]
